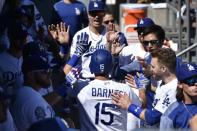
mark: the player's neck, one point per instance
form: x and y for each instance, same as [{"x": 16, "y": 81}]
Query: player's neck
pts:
[
  {"x": 169, "y": 78},
  {"x": 101, "y": 78},
  {"x": 96, "y": 31},
  {"x": 69, "y": 1},
  {"x": 187, "y": 98}
]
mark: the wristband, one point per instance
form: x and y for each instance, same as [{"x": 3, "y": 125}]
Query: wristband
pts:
[
  {"x": 135, "y": 110},
  {"x": 72, "y": 62}
]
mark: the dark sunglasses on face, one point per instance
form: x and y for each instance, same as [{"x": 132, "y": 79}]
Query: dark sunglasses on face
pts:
[
  {"x": 152, "y": 42},
  {"x": 107, "y": 21},
  {"x": 96, "y": 13},
  {"x": 190, "y": 81}
]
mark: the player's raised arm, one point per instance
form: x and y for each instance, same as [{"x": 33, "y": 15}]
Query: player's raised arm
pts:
[{"x": 81, "y": 46}]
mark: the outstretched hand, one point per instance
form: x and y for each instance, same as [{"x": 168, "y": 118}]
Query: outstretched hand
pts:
[
  {"x": 60, "y": 32},
  {"x": 63, "y": 33}
]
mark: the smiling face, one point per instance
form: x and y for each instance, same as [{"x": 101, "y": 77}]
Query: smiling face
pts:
[
  {"x": 96, "y": 18},
  {"x": 156, "y": 68}
]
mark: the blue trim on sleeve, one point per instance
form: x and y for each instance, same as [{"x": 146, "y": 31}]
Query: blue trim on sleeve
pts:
[
  {"x": 73, "y": 60},
  {"x": 152, "y": 116},
  {"x": 135, "y": 110}
]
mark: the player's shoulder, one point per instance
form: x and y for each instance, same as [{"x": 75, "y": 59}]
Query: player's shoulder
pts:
[
  {"x": 27, "y": 93},
  {"x": 80, "y": 3},
  {"x": 121, "y": 86},
  {"x": 172, "y": 110},
  {"x": 60, "y": 2},
  {"x": 86, "y": 29}
]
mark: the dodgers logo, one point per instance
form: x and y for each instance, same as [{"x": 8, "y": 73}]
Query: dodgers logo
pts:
[
  {"x": 141, "y": 21},
  {"x": 190, "y": 67},
  {"x": 95, "y": 5},
  {"x": 77, "y": 11}
]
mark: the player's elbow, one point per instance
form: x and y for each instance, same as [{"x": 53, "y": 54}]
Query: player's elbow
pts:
[{"x": 152, "y": 117}]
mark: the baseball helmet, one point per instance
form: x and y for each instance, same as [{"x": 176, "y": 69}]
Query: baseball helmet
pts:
[{"x": 101, "y": 62}]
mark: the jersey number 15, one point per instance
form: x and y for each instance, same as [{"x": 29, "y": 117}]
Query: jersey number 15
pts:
[{"x": 104, "y": 112}]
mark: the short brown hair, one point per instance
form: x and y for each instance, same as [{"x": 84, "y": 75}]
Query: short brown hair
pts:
[{"x": 167, "y": 57}]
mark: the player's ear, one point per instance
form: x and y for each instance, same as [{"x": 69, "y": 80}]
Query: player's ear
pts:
[
  {"x": 180, "y": 85},
  {"x": 164, "y": 68}
]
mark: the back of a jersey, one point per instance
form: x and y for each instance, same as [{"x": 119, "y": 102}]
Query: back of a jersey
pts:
[{"x": 97, "y": 111}]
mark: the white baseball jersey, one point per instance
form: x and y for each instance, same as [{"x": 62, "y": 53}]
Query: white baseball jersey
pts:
[
  {"x": 98, "y": 42},
  {"x": 8, "y": 125},
  {"x": 11, "y": 76},
  {"x": 28, "y": 107},
  {"x": 97, "y": 111},
  {"x": 165, "y": 95}
]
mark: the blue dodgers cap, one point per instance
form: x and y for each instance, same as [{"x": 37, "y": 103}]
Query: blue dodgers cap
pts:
[
  {"x": 35, "y": 62},
  {"x": 49, "y": 124},
  {"x": 144, "y": 22},
  {"x": 186, "y": 70},
  {"x": 96, "y": 5}
]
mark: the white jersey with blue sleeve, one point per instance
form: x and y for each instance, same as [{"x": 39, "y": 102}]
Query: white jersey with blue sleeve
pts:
[
  {"x": 165, "y": 95},
  {"x": 96, "y": 42},
  {"x": 97, "y": 112},
  {"x": 28, "y": 107}
]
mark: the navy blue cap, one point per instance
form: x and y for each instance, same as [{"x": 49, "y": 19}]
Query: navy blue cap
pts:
[
  {"x": 96, "y": 5},
  {"x": 35, "y": 62},
  {"x": 186, "y": 70},
  {"x": 144, "y": 22}
]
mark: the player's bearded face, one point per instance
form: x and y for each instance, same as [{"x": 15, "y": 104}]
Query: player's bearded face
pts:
[
  {"x": 96, "y": 18},
  {"x": 43, "y": 79},
  {"x": 156, "y": 69}
]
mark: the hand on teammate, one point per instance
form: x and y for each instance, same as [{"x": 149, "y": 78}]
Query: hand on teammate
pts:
[
  {"x": 146, "y": 68},
  {"x": 121, "y": 100},
  {"x": 60, "y": 32}
]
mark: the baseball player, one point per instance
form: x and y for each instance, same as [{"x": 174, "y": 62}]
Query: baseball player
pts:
[
  {"x": 29, "y": 106},
  {"x": 177, "y": 116},
  {"x": 163, "y": 66},
  {"x": 96, "y": 109},
  {"x": 11, "y": 60},
  {"x": 89, "y": 39},
  {"x": 76, "y": 17}
]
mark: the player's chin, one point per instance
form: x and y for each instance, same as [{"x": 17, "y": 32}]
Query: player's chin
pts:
[
  {"x": 194, "y": 99},
  {"x": 97, "y": 24}
]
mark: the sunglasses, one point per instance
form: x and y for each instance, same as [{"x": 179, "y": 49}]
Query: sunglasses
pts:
[
  {"x": 190, "y": 81},
  {"x": 107, "y": 21},
  {"x": 152, "y": 42},
  {"x": 96, "y": 13}
]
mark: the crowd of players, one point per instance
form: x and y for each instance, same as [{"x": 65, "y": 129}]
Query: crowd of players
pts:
[{"x": 81, "y": 74}]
